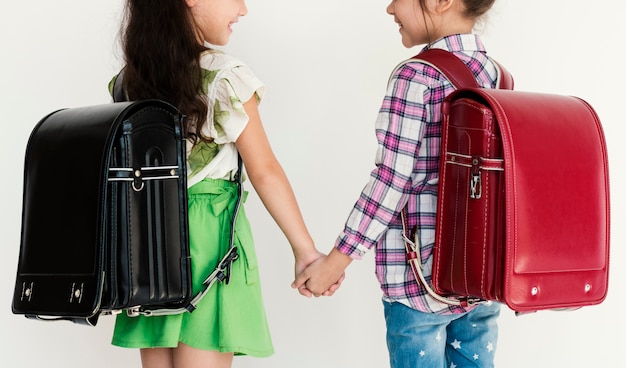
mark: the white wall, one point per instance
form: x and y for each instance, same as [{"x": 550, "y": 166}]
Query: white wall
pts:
[{"x": 325, "y": 64}]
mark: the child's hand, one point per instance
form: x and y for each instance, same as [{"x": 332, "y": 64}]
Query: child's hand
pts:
[
  {"x": 302, "y": 262},
  {"x": 324, "y": 276}
]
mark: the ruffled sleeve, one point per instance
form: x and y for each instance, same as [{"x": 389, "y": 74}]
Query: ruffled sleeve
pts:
[{"x": 235, "y": 86}]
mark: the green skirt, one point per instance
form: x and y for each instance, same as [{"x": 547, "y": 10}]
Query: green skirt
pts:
[{"x": 230, "y": 317}]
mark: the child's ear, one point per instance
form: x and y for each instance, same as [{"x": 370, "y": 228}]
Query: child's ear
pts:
[
  {"x": 191, "y": 3},
  {"x": 442, "y": 6}
]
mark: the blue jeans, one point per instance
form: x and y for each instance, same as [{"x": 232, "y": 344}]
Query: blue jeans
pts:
[{"x": 418, "y": 339}]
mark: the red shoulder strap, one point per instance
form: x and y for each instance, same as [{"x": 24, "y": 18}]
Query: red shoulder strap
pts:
[
  {"x": 506, "y": 79},
  {"x": 457, "y": 72}
]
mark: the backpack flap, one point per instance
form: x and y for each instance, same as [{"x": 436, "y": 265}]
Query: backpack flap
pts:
[
  {"x": 557, "y": 199},
  {"x": 104, "y": 222},
  {"x": 60, "y": 270}
]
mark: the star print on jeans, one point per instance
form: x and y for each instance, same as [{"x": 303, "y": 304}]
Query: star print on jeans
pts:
[
  {"x": 456, "y": 344},
  {"x": 490, "y": 346}
]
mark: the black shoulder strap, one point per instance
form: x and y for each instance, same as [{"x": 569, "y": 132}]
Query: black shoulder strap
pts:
[{"x": 118, "y": 88}]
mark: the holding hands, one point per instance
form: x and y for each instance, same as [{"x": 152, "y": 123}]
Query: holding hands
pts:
[{"x": 323, "y": 276}]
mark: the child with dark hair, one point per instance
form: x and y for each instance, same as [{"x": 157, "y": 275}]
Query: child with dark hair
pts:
[{"x": 169, "y": 56}]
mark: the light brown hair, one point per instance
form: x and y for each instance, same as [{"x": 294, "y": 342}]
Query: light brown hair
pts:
[{"x": 473, "y": 9}]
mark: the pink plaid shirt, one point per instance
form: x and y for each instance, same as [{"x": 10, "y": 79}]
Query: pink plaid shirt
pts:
[{"x": 408, "y": 130}]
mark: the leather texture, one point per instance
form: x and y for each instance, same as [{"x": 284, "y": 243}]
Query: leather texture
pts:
[
  {"x": 523, "y": 207},
  {"x": 104, "y": 222}
]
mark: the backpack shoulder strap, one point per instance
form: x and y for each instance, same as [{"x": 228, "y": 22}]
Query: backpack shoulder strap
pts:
[
  {"x": 505, "y": 78},
  {"x": 451, "y": 66},
  {"x": 119, "y": 95},
  {"x": 457, "y": 72}
]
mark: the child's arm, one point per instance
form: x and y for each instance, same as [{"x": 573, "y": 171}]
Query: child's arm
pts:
[{"x": 271, "y": 184}]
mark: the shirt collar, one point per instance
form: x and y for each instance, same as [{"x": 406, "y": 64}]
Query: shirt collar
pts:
[{"x": 458, "y": 42}]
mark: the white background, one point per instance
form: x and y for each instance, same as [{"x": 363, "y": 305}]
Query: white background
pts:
[{"x": 325, "y": 64}]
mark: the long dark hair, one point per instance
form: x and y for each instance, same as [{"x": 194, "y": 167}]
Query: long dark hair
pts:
[{"x": 162, "y": 55}]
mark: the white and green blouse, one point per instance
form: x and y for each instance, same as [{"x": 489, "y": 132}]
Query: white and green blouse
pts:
[{"x": 228, "y": 83}]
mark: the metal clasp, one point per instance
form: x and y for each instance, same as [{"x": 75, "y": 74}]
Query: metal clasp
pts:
[
  {"x": 476, "y": 188},
  {"x": 138, "y": 182},
  {"x": 27, "y": 291},
  {"x": 134, "y": 311}
]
